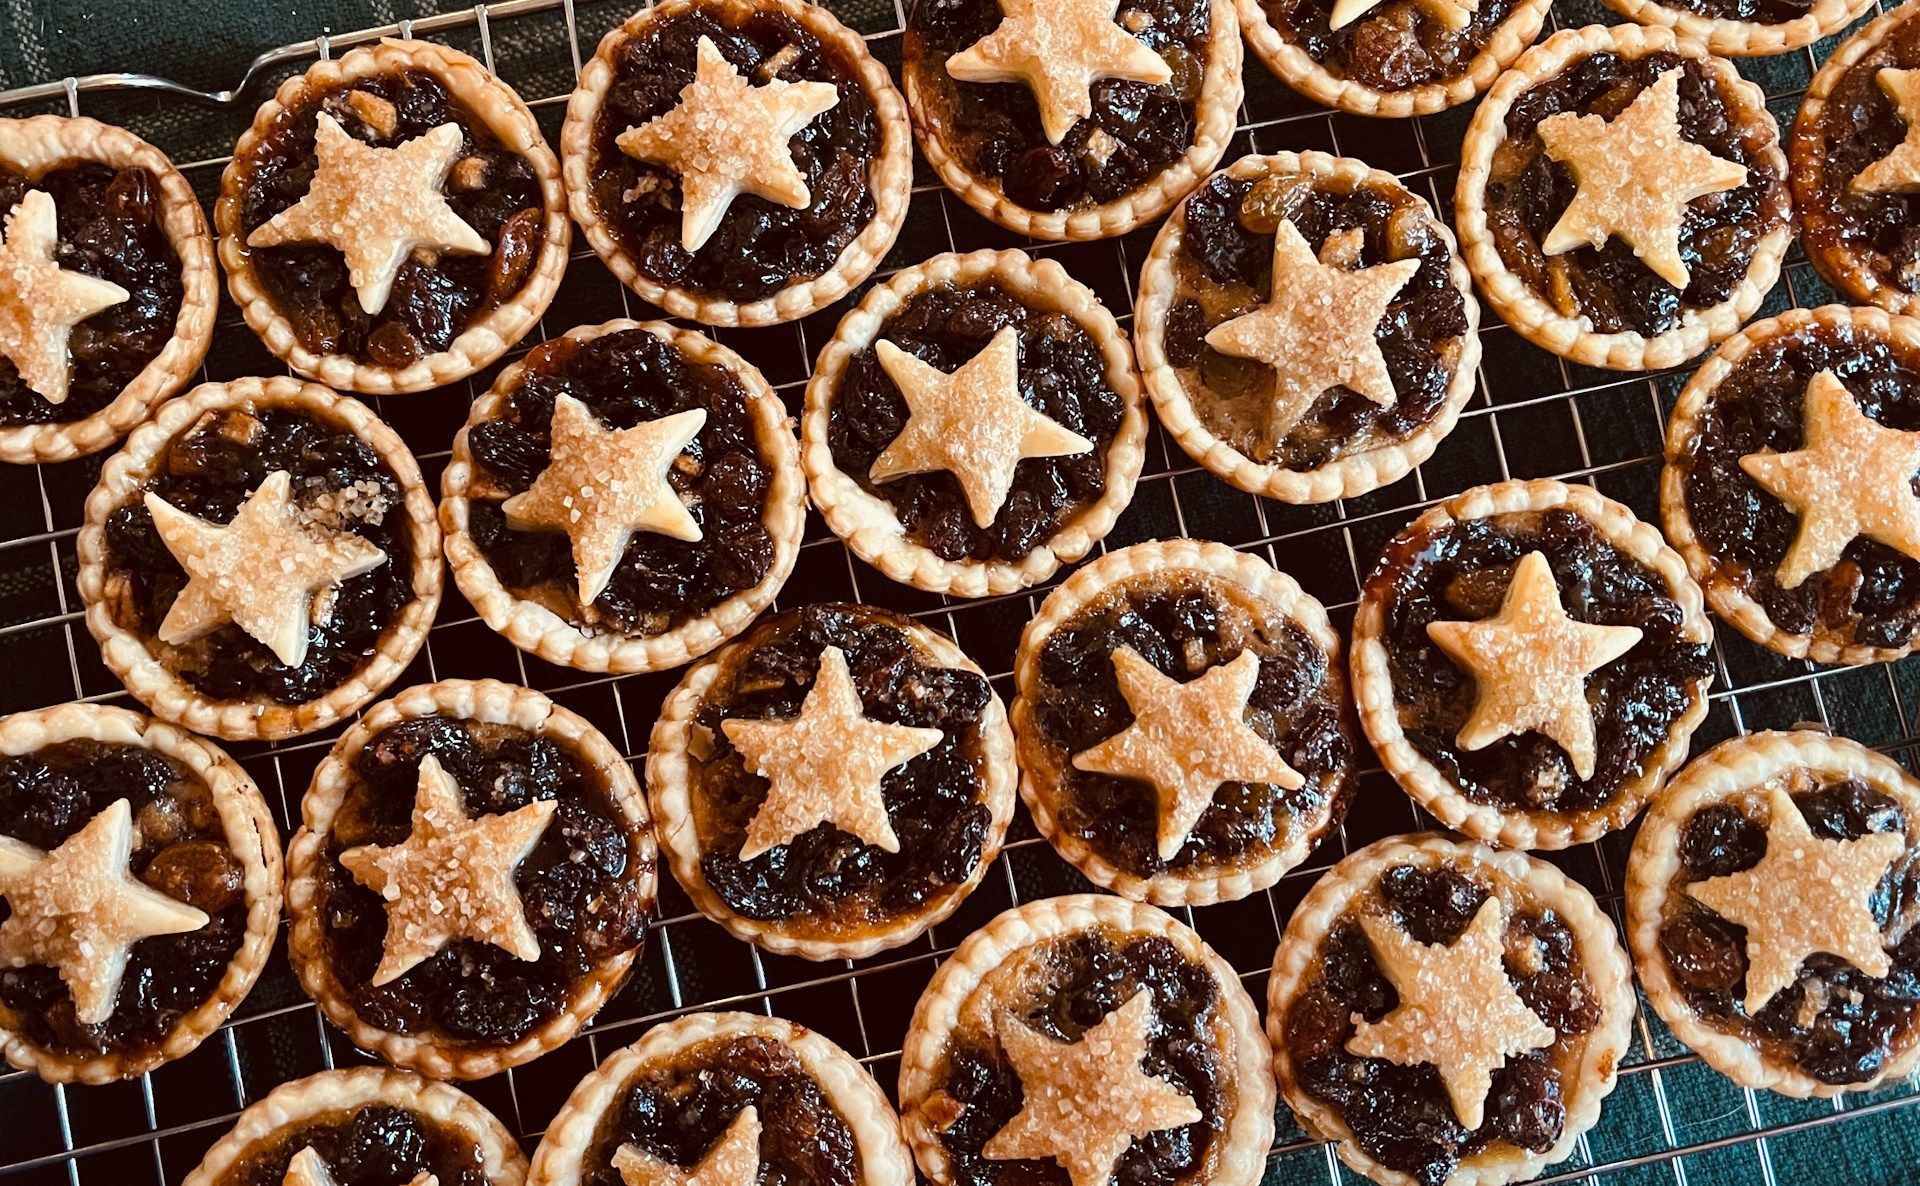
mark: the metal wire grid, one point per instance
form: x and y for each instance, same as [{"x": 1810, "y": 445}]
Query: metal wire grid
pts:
[{"x": 1670, "y": 1120}]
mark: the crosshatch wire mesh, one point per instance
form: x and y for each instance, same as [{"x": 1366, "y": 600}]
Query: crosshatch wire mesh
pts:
[{"x": 1670, "y": 1120}]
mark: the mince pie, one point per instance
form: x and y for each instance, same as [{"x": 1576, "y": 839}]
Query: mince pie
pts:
[
  {"x": 1072, "y": 119},
  {"x": 738, "y": 162},
  {"x": 140, "y": 876},
  {"x": 728, "y": 1099},
  {"x": 1305, "y": 327},
  {"x": 1789, "y": 483},
  {"x": 1747, "y": 28},
  {"x": 974, "y": 424},
  {"x": 1450, "y": 1014},
  {"x": 1529, "y": 661},
  {"x": 472, "y": 878},
  {"x": 393, "y": 220},
  {"x": 1088, "y": 1039},
  {"x": 832, "y": 783},
  {"x": 260, "y": 559},
  {"x": 110, "y": 295},
  {"x": 1623, "y": 198},
  {"x": 644, "y": 572},
  {"x": 1183, "y": 725}
]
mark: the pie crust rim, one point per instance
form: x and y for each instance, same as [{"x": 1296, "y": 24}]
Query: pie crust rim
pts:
[{"x": 1742, "y": 39}]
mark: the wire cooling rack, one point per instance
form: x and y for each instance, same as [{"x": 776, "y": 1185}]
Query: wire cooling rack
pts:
[{"x": 1671, "y": 1119}]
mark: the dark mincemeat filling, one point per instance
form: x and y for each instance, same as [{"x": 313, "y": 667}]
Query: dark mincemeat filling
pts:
[
  {"x": 111, "y": 226},
  {"x": 1462, "y": 574},
  {"x": 577, "y": 887},
  {"x": 678, "y": 1112},
  {"x": 1062, "y": 373},
  {"x": 209, "y": 474},
  {"x": 1528, "y": 191},
  {"x": 1297, "y": 703},
  {"x": 933, "y": 800},
  {"x": 370, "y": 1145},
  {"x": 1395, "y": 47},
  {"x": 1872, "y": 596},
  {"x": 760, "y": 246},
  {"x": 1090, "y": 975},
  {"x": 1860, "y": 126},
  {"x": 46, "y": 797},
  {"x": 1855, "y": 1022},
  {"x": 1401, "y": 1115},
  {"x": 431, "y": 303},
  {"x": 628, "y": 378},
  {"x": 1229, "y": 242},
  {"x": 1136, "y": 130}
]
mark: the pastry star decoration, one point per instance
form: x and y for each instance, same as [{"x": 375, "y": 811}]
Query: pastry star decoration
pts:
[
  {"x": 1458, "y": 1011},
  {"x": 1807, "y": 894},
  {"x": 1059, "y": 48},
  {"x": 1636, "y": 174},
  {"x": 375, "y": 206},
  {"x": 825, "y": 765},
  {"x": 1454, "y": 14},
  {"x": 452, "y": 877},
  {"x": 1187, "y": 739},
  {"x": 1899, "y": 171},
  {"x": 733, "y": 1160},
  {"x": 1530, "y": 664},
  {"x": 727, "y": 137},
  {"x": 1853, "y": 477},
  {"x": 79, "y": 909},
  {"x": 1086, "y": 1101},
  {"x": 308, "y": 1168},
  {"x": 269, "y": 571},
  {"x": 40, "y": 301},
  {"x": 971, "y": 423},
  {"x": 1317, "y": 328}
]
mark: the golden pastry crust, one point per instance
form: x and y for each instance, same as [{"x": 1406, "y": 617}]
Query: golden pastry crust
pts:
[
  {"x": 889, "y": 176},
  {"x": 1350, "y": 475},
  {"x": 538, "y": 630},
  {"x": 1527, "y": 311},
  {"x": 482, "y": 702},
  {"x": 1745, "y": 39},
  {"x": 870, "y": 526},
  {"x": 1421, "y": 778},
  {"x": 131, "y": 656},
  {"x": 490, "y": 101}
]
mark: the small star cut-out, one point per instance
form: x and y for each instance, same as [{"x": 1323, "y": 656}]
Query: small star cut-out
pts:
[
  {"x": 452, "y": 877},
  {"x": 1454, "y": 14},
  {"x": 825, "y": 765},
  {"x": 80, "y": 910},
  {"x": 733, "y": 1160},
  {"x": 603, "y": 484},
  {"x": 1059, "y": 49},
  {"x": 1186, "y": 740},
  {"x": 269, "y": 571},
  {"x": 1530, "y": 664},
  {"x": 971, "y": 423},
  {"x": 1853, "y": 477},
  {"x": 727, "y": 137},
  {"x": 40, "y": 301},
  {"x": 375, "y": 206},
  {"x": 1898, "y": 172},
  {"x": 1808, "y": 894},
  {"x": 308, "y": 1168},
  {"x": 1635, "y": 175}
]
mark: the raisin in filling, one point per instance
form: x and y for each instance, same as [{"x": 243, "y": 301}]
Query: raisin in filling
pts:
[
  {"x": 760, "y": 246},
  {"x": 578, "y": 886},
  {"x": 48, "y": 796},
  {"x": 369, "y": 1145},
  {"x": 678, "y": 1112},
  {"x": 1396, "y": 46},
  {"x": 629, "y": 378},
  {"x": 435, "y": 298},
  {"x": 1527, "y": 192},
  {"x": 1461, "y": 573},
  {"x": 112, "y": 226},
  {"x": 1137, "y": 129},
  {"x": 1088, "y": 976},
  {"x": 1185, "y": 626},
  {"x": 1063, "y": 373},
  {"x": 827, "y": 876},
  {"x": 1872, "y": 596},
  {"x": 339, "y": 481},
  {"x": 1401, "y": 1115},
  {"x": 1859, "y": 127},
  {"x": 1225, "y": 270},
  {"x": 1835, "y": 1022}
]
